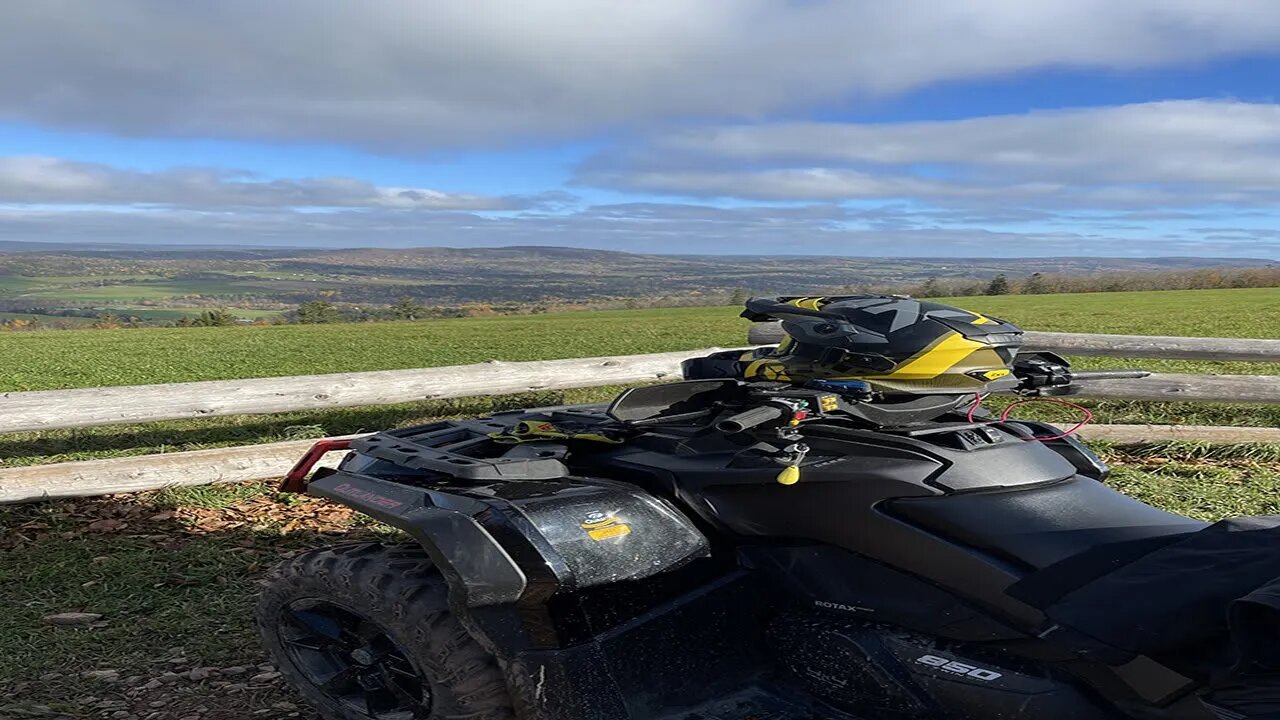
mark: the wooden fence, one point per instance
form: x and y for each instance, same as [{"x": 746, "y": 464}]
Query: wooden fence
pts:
[{"x": 22, "y": 411}]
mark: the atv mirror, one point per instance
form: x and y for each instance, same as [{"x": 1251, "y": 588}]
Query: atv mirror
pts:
[{"x": 672, "y": 401}]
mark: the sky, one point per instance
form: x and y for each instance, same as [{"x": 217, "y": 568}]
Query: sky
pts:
[{"x": 984, "y": 128}]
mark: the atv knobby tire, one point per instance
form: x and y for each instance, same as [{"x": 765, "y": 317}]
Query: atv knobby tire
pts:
[{"x": 396, "y": 589}]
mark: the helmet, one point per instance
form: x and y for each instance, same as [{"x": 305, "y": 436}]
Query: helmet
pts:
[{"x": 885, "y": 343}]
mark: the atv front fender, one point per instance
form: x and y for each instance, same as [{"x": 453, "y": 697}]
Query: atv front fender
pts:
[
  {"x": 527, "y": 540},
  {"x": 479, "y": 570}
]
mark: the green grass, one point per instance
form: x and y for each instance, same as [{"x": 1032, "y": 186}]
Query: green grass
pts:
[
  {"x": 29, "y": 285},
  {"x": 19, "y": 283},
  {"x": 71, "y": 358},
  {"x": 167, "y": 588},
  {"x": 1250, "y": 312},
  {"x": 63, "y": 359},
  {"x": 139, "y": 291}
]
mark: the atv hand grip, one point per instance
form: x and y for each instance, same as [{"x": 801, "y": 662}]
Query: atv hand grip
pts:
[{"x": 746, "y": 420}]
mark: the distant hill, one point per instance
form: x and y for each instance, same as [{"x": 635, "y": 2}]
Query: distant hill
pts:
[{"x": 440, "y": 275}]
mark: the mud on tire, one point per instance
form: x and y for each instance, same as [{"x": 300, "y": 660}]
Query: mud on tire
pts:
[{"x": 390, "y": 605}]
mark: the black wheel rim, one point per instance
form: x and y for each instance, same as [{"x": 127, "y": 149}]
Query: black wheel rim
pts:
[{"x": 353, "y": 661}]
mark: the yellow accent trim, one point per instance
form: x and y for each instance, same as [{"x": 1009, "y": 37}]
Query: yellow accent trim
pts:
[
  {"x": 767, "y": 369},
  {"x": 935, "y": 360},
  {"x": 807, "y": 303},
  {"x": 981, "y": 320}
]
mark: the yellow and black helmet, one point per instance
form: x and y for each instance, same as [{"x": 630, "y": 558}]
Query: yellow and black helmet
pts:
[{"x": 892, "y": 343}]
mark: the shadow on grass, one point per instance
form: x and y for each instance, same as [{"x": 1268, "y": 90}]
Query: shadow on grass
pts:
[{"x": 174, "y": 575}]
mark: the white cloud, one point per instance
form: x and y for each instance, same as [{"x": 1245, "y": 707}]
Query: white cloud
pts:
[
  {"x": 637, "y": 227},
  {"x": 52, "y": 181},
  {"x": 408, "y": 75},
  {"x": 1151, "y": 154}
]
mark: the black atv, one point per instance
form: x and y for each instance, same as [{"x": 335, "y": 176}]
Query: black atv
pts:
[{"x": 716, "y": 550}]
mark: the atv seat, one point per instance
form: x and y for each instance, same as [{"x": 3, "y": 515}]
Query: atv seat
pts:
[{"x": 1035, "y": 527}]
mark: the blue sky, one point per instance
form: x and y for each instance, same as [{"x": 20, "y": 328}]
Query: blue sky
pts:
[{"x": 989, "y": 128}]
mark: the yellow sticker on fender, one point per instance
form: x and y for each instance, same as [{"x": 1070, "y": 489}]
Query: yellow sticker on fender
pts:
[{"x": 609, "y": 531}]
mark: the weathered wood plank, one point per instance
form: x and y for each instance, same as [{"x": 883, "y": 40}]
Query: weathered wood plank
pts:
[
  {"x": 47, "y": 409},
  {"x": 150, "y": 472},
  {"x": 1147, "y": 434},
  {"x": 1177, "y": 387},
  {"x": 257, "y": 462},
  {"x": 44, "y": 409},
  {"x": 1134, "y": 346}
]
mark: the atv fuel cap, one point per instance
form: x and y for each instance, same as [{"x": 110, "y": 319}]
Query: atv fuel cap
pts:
[{"x": 790, "y": 475}]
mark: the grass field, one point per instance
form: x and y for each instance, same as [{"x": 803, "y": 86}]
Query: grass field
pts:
[
  {"x": 64, "y": 359},
  {"x": 174, "y": 573},
  {"x": 138, "y": 291}
]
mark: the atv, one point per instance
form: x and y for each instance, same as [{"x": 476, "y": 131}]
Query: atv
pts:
[{"x": 735, "y": 547}]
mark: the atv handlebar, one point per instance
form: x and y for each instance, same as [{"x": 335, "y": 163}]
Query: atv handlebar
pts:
[
  {"x": 750, "y": 418},
  {"x": 1107, "y": 374}
]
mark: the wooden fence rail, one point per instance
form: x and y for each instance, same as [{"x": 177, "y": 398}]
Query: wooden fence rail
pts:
[{"x": 49, "y": 409}]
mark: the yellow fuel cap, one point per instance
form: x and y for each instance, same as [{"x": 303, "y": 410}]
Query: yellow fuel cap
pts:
[{"x": 790, "y": 475}]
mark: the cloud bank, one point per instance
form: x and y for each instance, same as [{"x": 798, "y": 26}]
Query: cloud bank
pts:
[
  {"x": 408, "y": 76},
  {"x": 701, "y": 113},
  {"x": 1149, "y": 154},
  {"x": 55, "y": 181}
]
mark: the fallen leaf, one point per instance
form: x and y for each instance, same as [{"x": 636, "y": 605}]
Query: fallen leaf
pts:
[{"x": 106, "y": 525}]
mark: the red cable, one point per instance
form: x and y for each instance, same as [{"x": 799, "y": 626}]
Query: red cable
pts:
[
  {"x": 1004, "y": 416},
  {"x": 1088, "y": 415},
  {"x": 977, "y": 403}
]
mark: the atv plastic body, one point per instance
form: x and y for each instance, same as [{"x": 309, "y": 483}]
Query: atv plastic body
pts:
[{"x": 672, "y": 576}]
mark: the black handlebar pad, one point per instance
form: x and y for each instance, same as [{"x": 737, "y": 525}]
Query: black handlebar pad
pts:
[{"x": 750, "y": 418}]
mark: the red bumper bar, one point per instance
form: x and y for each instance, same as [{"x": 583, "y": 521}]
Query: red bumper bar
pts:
[{"x": 296, "y": 479}]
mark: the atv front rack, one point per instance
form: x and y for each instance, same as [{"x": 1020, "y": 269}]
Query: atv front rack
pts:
[{"x": 467, "y": 449}]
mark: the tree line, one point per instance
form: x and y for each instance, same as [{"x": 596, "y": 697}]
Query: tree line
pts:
[
  {"x": 1047, "y": 283},
  {"x": 323, "y": 311}
]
